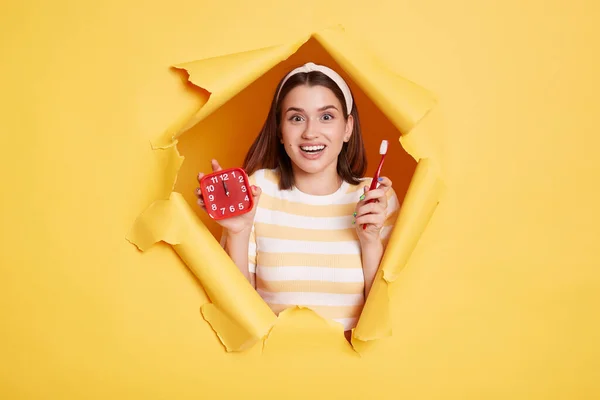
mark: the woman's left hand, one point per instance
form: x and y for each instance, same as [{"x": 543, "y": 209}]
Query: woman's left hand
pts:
[{"x": 372, "y": 213}]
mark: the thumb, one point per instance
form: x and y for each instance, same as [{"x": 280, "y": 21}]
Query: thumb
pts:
[
  {"x": 215, "y": 165},
  {"x": 256, "y": 191}
]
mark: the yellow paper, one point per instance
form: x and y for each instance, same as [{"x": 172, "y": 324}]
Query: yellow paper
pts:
[
  {"x": 238, "y": 315},
  {"x": 225, "y": 76},
  {"x": 499, "y": 299},
  {"x": 172, "y": 161},
  {"x": 300, "y": 321},
  {"x": 419, "y": 204},
  {"x": 402, "y": 101}
]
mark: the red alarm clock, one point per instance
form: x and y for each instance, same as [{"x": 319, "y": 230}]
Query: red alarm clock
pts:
[{"x": 226, "y": 193}]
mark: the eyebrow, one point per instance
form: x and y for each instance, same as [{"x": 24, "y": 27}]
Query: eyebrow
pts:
[{"x": 320, "y": 109}]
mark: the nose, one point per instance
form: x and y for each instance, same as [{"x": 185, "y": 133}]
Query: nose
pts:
[{"x": 311, "y": 130}]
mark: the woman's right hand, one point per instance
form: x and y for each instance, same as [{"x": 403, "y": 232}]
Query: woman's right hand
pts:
[{"x": 241, "y": 223}]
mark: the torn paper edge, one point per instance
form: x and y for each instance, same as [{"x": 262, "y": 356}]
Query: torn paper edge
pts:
[{"x": 413, "y": 224}]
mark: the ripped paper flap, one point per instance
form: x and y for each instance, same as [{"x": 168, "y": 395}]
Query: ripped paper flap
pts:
[{"x": 238, "y": 315}]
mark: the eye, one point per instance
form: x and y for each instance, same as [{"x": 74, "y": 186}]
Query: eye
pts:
[
  {"x": 327, "y": 117},
  {"x": 296, "y": 118}
]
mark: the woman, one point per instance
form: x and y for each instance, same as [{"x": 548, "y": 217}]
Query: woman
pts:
[{"x": 304, "y": 243}]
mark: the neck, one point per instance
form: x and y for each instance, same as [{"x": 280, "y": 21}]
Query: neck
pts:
[{"x": 319, "y": 184}]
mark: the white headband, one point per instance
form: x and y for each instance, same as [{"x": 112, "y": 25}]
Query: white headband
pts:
[{"x": 334, "y": 76}]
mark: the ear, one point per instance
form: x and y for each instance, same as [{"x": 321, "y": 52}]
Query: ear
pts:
[{"x": 349, "y": 128}]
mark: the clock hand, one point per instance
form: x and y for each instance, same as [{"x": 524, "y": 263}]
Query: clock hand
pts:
[{"x": 225, "y": 187}]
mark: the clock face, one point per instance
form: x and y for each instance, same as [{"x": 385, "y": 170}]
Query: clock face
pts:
[{"x": 226, "y": 193}]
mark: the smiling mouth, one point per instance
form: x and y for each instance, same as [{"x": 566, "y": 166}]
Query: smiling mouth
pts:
[{"x": 312, "y": 149}]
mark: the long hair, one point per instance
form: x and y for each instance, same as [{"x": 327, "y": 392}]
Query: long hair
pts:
[{"x": 268, "y": 152}]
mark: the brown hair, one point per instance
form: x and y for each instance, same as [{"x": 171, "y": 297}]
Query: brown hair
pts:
[{"x": 268, "y": 152}]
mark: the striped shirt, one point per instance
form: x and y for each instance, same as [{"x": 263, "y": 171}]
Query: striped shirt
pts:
[{"x": 304, "y": 249}]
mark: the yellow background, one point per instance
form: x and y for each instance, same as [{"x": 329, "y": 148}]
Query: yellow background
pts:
[{"x": 499, "y": 300}]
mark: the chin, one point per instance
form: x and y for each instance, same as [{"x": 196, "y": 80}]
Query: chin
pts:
[{"x": 313, "y": 167}]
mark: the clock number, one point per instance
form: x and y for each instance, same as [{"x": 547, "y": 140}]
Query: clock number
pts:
[{"x": 219, "y": 179}]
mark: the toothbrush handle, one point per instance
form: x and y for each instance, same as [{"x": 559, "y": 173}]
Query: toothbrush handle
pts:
[{"x": 374, "y": 182}]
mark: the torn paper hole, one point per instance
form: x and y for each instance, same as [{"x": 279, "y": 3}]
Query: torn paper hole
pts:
[{"x": 240, "y": 88}]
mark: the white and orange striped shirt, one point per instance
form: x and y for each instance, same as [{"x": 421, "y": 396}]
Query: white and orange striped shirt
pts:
[{"x": 304, "y": 249}]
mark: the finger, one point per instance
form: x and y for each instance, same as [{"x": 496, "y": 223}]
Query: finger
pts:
[
  {"x": 200, "y": 175},
  {"x": 215, "y": 165},
  {"x": 382, "y": 199},
  {"x": 375, "y": 194},
  {"x": 256, "y": 191},
  {"x": 384, "y": 182},
  {"x": 369, "y": 208},
  {"x": 362, "y": 197},
  {"x": 199, "y": 196},
  {"x": 370, "y": 219}
]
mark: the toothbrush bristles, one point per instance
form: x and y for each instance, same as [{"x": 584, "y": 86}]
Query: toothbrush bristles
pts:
[{"x": 384, "y": 146}]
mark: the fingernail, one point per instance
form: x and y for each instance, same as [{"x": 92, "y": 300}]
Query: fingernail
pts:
[
  {"x": 354, "y": 214},
  {"x": 362, "y": 197},
  {"x": 353, "y": 222},
  {"x": 380, "y": 179}
]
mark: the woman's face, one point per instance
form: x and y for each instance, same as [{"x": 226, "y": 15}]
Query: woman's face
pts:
[{"x": 313, "y": 128}]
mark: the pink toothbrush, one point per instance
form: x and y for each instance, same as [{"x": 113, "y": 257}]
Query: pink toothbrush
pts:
[{"x": 382, "y": 150}]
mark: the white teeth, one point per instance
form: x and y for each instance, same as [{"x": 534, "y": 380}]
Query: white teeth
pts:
[{"x": 312, "y": 148}]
